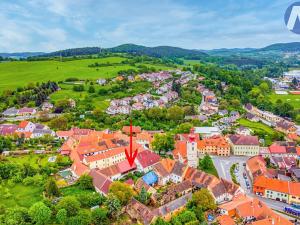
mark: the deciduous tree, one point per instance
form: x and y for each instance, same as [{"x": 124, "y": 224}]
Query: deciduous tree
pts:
[{"x": 40, "y": 214}]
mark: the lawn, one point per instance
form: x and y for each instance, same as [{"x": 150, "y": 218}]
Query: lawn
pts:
[
  {"x": 21, "y": 195},
  {"x": 191, "y": 62},
  {"x": 34, "y": 160},
  {"x": 74, "y": 190},
  {"x": 294, "y": 100},
  {"x": 266, "y": 132},
  {"x": 19, "y": 73}
]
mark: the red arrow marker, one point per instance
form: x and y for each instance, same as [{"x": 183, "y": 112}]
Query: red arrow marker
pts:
[{"x": 131, "y": 155}]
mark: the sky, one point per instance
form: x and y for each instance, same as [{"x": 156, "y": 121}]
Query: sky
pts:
[{"x": 50, "y": 25}]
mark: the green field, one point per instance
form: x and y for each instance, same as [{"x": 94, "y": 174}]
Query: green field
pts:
[
  {"x": 20, "y": 195},
  {"x": 20, "y": 73},
  {"x": 191, "y": 62},
  {"x": 294, "y": 100},
  {"x": 260, "y": 129},
  {"x": 34, "y": 160}
]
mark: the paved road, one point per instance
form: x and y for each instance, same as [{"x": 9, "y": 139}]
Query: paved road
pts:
[{"x": 223, "y": 165}]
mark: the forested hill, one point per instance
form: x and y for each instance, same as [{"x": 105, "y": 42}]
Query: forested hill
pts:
[
  {"x": 283, "y": 47},
  {"x": 74, "y": 52},
  {"x": 160, "y": 51}
]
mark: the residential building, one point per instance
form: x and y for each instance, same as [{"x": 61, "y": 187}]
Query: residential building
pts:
[
  {"x": 26, "y": 126},
  {"x": 216, "y": 145},
  {"x": 140, "y": 212},
  {"x": 100, "y": 181},
  {"x": 47, "y": 106},
  {"x": 145, "y": 160},
  {"x": 244, "y": 144},
  {"x": 26, "y": 111},
  {"x": 10, "y": 112},
  {"x": 242, "y": 131},
  {"x": 251, "y": 211},
  {"x": 257, "y": 166},
  {"x": 279, "y": 190},
  {"x": 8, "y": 129},
  {"x": 206, "y": 132}
]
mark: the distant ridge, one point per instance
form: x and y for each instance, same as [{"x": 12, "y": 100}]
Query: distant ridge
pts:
[
  {"x": 283, "y": 47},
  {"x": 20, "y": 54},
  {"x": 74, "y": 52},
  {"x": 160, "y": 51}
]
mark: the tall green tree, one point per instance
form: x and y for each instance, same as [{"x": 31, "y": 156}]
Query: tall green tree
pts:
[
  {"x": 204, "y": 199},
  {"x": 100, "y": 217},
  {"x": 70, "y": 204},
  {"x": 51, "y": 188},
  {"x": 16, "y": 216},
  {"x": 122, "y": 191},
  {"x": 143, "y": 195},
  {"x": 61, "y": 216},
  {"x": 85, "y": 182},
  {"x": 163, "y": 143},
  {"x": 40, "y": 214},
  {"x": 5, "y": 144},
  {"x": 175, "y": 113},
  {"x": 113, "y": 205}
]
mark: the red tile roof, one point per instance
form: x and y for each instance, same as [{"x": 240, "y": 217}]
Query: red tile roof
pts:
[
  {"x": 147, "y": 158},
  {"x": 79, "y": 168},
  {"x": 8, "y": 129},
  {"x": 110, "y": 171},
  {"x": 23, "y": 124},
  {"x": 125, "y": 167},
  {"x": 282, "y": 186},
  {"x": 243, "y": 139},
  {"x": 277, "y": 149},
  {"x": 225, "y": 220},
  {"x": 180, "y": 149},
  {"x": 130, "y": 182},
  {"x": 135, "y": 129},
  {"x": 100, "y": 181}
]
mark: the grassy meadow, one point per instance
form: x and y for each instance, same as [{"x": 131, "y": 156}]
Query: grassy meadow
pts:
[
  {"x": 20, "y": 195},
  {"x": 294, "y": 100},
  {"x": 20, "y": 73},
  {"x": 264, "y": 131}
]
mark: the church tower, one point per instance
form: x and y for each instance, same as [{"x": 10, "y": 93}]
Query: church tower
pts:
[{"x": 192, "y": 151}]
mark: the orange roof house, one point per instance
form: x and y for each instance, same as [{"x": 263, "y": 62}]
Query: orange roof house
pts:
[
  {"x": 248, "y": 209},
  {"x": 229, "y": 208},
  {"x": 257, "y": 166},
  {"x": 225, "y": 220},
  {"x": 168, "y": 164},
  {"x": 23, "y": 124},
  {"x": 262, "y": 183},
  {"x": 216, "y": 145},
  {"x": 180, "y": 151},
  {"x": 135, "y": 129}
]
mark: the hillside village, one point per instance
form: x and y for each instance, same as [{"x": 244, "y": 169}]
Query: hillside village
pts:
[{"x": 172, "y": 179}]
